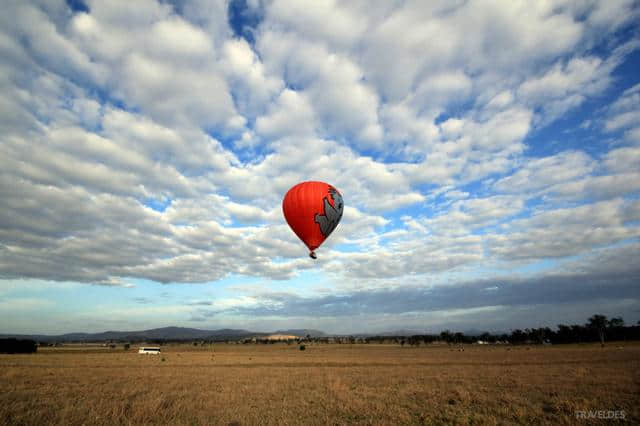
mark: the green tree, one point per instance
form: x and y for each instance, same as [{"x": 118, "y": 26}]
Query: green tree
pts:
[
  {"x": 616, "y": 322},
  {"x": 599, "y": 324}
]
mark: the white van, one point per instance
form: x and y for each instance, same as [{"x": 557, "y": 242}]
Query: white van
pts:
[{"x": 154, "y": 350}]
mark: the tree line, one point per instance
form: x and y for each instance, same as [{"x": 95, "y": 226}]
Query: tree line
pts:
[{"x": 598, "y": 328}]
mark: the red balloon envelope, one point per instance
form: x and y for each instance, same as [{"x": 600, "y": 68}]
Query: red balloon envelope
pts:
[{"x": 313, "y": 210}]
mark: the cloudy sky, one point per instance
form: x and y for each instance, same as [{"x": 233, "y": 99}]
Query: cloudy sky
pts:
[{"x": 488, "y": 154}]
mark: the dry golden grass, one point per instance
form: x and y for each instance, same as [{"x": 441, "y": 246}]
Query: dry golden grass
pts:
[{"x": 326, "y": 384}]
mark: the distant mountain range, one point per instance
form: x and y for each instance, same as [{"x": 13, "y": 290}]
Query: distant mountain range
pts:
[
  {"x": 165, "y": 333},
  {"x": 302, "y": 332},
  {"x": 182, "y": 333}
]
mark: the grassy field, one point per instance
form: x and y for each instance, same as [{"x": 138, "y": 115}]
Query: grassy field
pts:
[{"x": 326, "y": 384}]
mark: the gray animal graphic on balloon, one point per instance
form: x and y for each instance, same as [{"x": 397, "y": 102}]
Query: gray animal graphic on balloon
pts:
[{"x": 332, "y": 214}]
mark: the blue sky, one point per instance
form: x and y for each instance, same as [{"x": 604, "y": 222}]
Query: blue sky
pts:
[{"x": 488, "y": 156}]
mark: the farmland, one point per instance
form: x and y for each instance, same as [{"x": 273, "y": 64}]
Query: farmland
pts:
[{"x": 362, "y": 383}]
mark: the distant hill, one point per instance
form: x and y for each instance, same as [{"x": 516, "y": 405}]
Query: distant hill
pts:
[
  {"x": 183, "y": 333},
  {"x": 302, "y": 332},
  {"x": 165, "y": 333},
  {"x": 402, "y": 332}
]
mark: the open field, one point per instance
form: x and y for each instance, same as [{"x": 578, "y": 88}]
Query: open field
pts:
[{"x": 326, "y": 384}]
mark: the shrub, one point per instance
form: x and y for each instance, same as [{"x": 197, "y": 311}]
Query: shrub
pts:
[{"x": 303, "y": 347}]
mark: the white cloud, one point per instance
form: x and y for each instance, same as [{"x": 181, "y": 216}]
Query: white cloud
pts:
[
  {"x": 418, "y": 112},
  {"x": 334, "y": 22},
  {"x": 333, "y": 82},
  {"x": 624, "y": 115},
  {"x": 575, "y": 176},
  {"x": 415, "y": 40},
  {"x": 291, "y": 115},
  {"x": 563, "y": 232},
  {"x": 158, "y": 62},
  {"x": 474, "y": 213},
  {"x": 176, "y": 94},
  {"x": 440, "y": 90},
  {"x": 622, "y": 160},
  {"x": 597, "y": 187},
  {"x": 537, "y": 174},
  {"x": 566, "y": 86},
  {"x": 178, "y": 38},
  {"x": 254, "y": 89}
]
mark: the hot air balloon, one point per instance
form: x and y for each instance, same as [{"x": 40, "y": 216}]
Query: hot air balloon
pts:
[{"x": 312, "y": 210}]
